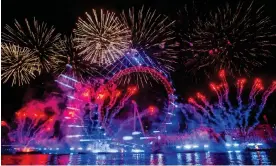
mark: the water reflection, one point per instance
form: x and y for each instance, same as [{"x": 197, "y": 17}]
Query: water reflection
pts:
[
  {"x": 188, "y": 158},
  {"x": 160, "y": 159},
  {"x": 239, "y": 157},
  {"x": 206, "y": 158},
  {"x": 179, "y": 159}
]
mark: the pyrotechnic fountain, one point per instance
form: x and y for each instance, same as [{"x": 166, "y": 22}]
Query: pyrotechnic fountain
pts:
[
  {"x": 223, "y": 114},
  {"x": 224, "y": 121},
  {"x": 87, "y": 122}
]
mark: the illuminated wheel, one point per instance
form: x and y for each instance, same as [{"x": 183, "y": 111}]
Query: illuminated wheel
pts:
[{"x": 151, "y": 120}]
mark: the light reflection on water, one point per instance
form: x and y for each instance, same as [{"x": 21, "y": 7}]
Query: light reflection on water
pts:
[{"x": 198, "y": 158}]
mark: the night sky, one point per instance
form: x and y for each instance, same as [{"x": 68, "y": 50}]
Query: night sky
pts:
[{"x": 63, "y": 15}]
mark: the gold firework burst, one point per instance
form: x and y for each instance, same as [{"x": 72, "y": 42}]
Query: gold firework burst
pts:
[
  {"x": 102, "y": 38},
  {"x": 42, "y": 40},
  {"x": 18, "y": 64}
]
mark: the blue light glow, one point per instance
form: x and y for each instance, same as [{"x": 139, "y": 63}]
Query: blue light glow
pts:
[
  {"x": 187, "y": 146},
  {"x": 75, "y": 126},
  {"x": 61, "y": 83},
  {"x": 69, "y": 78},
  {"x": 206, "y": 146},
  {"x": 141, "y": 138},
  {"x": 127, "y": 138},
  {"x": 236, "y": 145},
  {"x": 136, "y": 133},
  {"x": 74, "y": 136},
  {"x": 68, "y": 65},
  {"x": 228, "y": 145},
  {"x": 86, "y": 140},
  {"x": 137, "y": 151}
]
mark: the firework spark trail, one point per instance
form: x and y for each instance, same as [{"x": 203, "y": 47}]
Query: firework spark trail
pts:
[
  {"x": 33, "y": 123},
  {"x": 256, "y": 89},
  {"x": 42, "y": 40},
  {"x": 193, "y": 102},
  {"x": 239, "y": 115},
  {"x": 207, "y": 109},
  {"x": 151, "y": 32},
  {"x": 18, "y": 64},
  {"x": 20, "y": 122},
  {"x": 41, "y": 132},
  {"x": 234, "y": 38},
  {"x": 114, "y": 96},
  {"x": 113, "y": 99},
  {"x": 101, "y": 95},
  {"x": 187, "y": 110},
  {"x": 240, "y": 86},
  {"x": 216, "y": 88},
  {"x": 102, "y": 38},
  {"x": 266, "y": 94},
  {"x": 5, "y": 124},
  {"x": 130, "y": 91},
  {"x": 225, "y": 88}
]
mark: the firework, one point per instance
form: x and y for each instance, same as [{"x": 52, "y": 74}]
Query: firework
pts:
[
  {"x": 80, "y": 68},
  {"x": 18, "y": 64},
  {"x": 224, "y": 114},
  {"x": 236, "y": 39},
  {"x": 102, "y": 38},
  {"x": 39, "y": 38},
  {"x": 151, "y": 32}
]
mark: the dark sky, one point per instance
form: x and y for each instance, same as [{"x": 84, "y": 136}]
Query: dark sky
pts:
[{"x": 63, "y": 15}]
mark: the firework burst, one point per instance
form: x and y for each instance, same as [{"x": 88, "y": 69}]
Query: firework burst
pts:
[
  {"x": 151, "y": 32},
  {"x": 102, "y": 38},
  {"x": 80, "y": 68},
  {"x": 236, "y": 39},
  {"x": 39, "y": 38},
  {"x": 18, "y": 64}
]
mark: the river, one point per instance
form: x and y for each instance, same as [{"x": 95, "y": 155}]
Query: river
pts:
[{"x": 204, "y": 158}]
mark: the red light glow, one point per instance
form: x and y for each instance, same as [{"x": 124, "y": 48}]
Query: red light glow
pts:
[
  {"x": 152, "y": 109},
  {"x": 221, "y": 73}
]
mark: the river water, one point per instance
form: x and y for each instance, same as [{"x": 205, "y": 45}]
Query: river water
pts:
[{"x": 205, "y": 158}]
